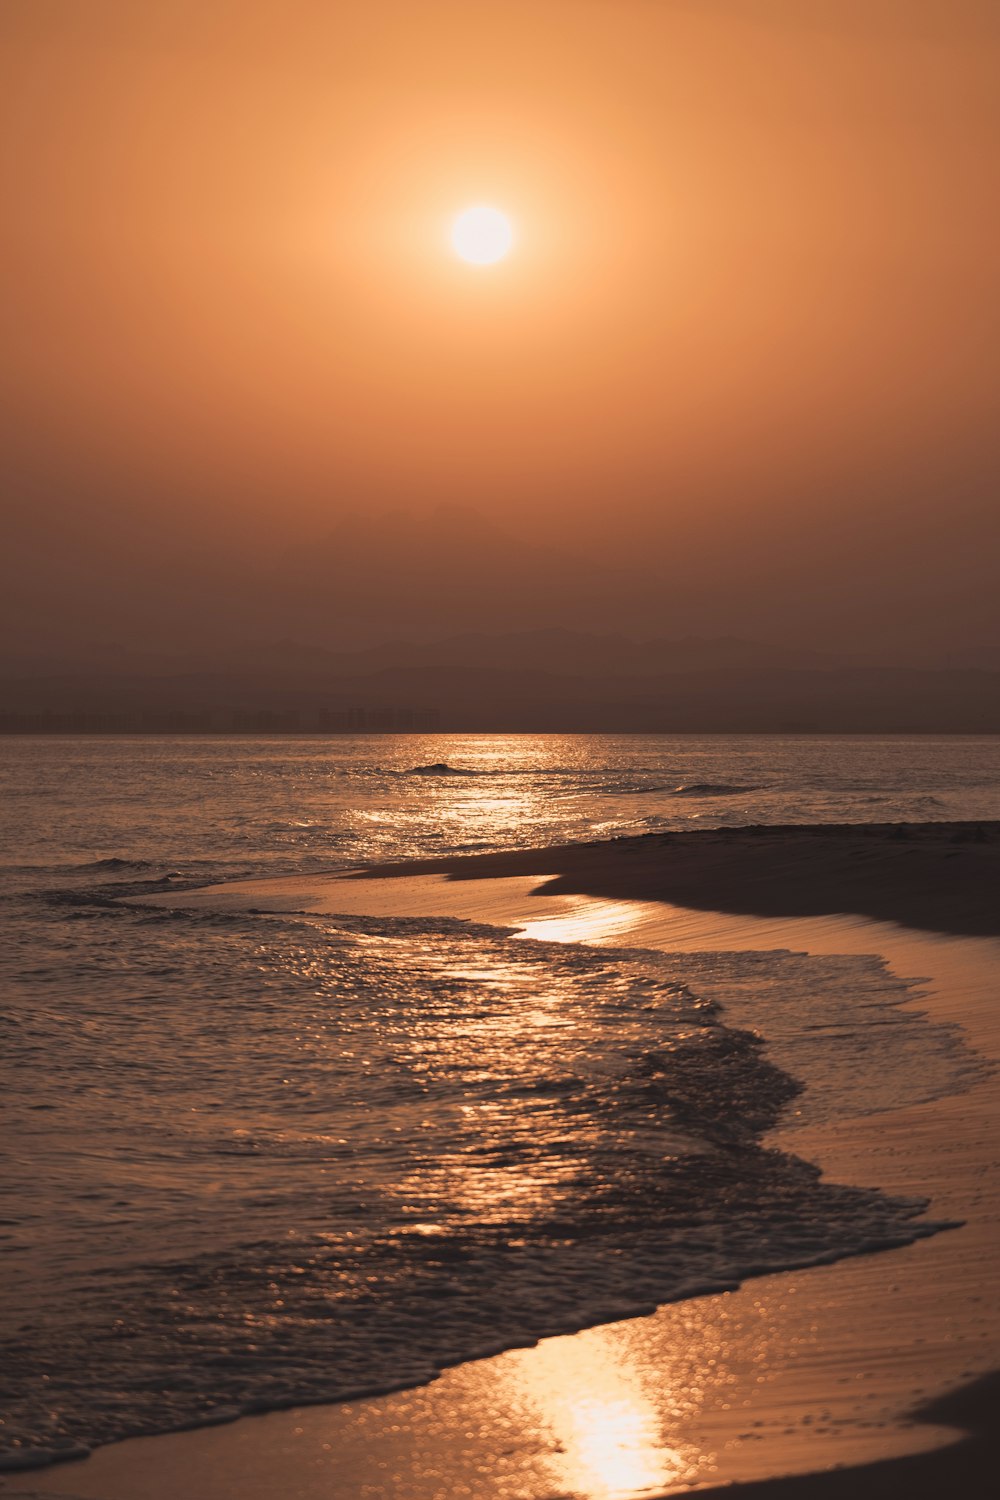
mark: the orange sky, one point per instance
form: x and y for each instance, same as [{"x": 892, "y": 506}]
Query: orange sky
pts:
[{"x": 752, "y": 303}]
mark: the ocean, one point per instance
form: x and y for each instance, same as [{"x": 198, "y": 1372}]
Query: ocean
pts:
[{"x": 256, "y": 1159}]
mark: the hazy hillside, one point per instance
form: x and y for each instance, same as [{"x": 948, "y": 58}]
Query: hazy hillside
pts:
[{"x": 556, "y": 680}]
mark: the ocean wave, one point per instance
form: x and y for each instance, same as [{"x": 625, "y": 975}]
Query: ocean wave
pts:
[
  {"x": 713, "y": 789},
  {"x": 114, "y": 863},
  {"x": 595, "y": 777},
  {"x": 594, "y": 1168},
  {"x": 435, "y": 768},
  {"x": 438, "y": 768}
]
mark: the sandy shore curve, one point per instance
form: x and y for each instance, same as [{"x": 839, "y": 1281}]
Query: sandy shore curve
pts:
[{"x": 836, "y": 1373}]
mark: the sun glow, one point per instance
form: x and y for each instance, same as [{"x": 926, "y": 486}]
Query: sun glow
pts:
[{"x": 481, "y": 235}]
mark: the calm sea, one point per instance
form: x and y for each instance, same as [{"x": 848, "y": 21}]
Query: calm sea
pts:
[{"x": 256, "y": 1159}]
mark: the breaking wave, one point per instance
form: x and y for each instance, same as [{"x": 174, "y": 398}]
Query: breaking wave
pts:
[
  {"x": 712, "y": 789},
  {"x": 438, "y": 768},
  {"x": 377, "y": 1147}
]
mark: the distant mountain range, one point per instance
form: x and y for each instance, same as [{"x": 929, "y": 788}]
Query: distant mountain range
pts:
[
  {"x": 115, "y": 595},
  {"x": 572, "y": 653},
  {"x": 533, "y": 681}
]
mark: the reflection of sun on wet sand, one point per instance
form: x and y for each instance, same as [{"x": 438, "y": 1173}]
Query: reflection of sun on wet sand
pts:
[
  {"x": 792, "y": 1373},
  {"x": 940, "y": 876},
  {"x": 606, "y": 1430}
]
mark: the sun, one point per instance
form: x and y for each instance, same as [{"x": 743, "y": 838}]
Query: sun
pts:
[{"x": 481, "y": 235}]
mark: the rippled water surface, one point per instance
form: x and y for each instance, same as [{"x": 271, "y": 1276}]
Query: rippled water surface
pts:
[
  {"x": 257, "y": 1158},
  {"x": 237, "y": 805}
]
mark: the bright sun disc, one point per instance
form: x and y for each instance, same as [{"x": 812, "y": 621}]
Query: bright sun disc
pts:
[{"x": 481, "y": 235}]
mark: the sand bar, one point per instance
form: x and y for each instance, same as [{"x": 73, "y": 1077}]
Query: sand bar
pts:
[{"x": 941, "y": 877}]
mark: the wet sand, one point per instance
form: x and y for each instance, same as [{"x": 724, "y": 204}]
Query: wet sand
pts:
[
  {"x": 818, "y": 1370},
  {"x": 938, "y": 877}
]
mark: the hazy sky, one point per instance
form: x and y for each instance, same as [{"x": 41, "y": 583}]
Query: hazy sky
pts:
[{"x": 743, "y": 361}]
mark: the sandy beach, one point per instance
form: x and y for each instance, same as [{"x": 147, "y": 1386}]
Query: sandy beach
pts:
[
  {"x": 941, "y": 877},
  {"x": 836, "y": 1372}
]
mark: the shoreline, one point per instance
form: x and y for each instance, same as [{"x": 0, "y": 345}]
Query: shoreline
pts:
[
  {"x": 809, "y": 1328},
  {"x": 938, "y": 877}
]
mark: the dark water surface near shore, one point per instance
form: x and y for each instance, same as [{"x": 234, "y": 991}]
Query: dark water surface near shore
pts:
[{"x": 258, "y": 1159}]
